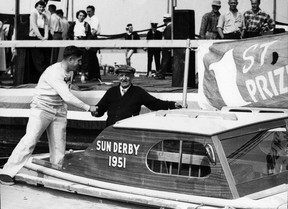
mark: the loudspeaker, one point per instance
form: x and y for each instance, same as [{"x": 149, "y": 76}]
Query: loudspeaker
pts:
[
  {"x": 184, "y": 24},
  {"x": 183, "y": 28}
]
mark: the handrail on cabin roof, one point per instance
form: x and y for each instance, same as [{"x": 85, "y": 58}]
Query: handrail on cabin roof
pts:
[{"x": 198, "y": 114}]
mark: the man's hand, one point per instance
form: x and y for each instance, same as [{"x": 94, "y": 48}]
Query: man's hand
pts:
[
  {"x": 93, "y": 110},
  {"x": 178, "y": 105},
  {"x": 74, "y": 87}
]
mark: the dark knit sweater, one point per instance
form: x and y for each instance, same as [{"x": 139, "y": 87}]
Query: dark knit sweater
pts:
[{"x": 120, "y": 107}]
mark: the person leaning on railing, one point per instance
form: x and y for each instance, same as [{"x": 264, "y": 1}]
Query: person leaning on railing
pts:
[
  {"x": 257, "y": 22},
  {"x": 81, "y": 30},
  {"x": 39, "y": 30},
  {"x": 230, "y": 25}
]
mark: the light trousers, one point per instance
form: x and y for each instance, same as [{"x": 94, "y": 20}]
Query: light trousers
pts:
[{"x": 42, "y": 117}]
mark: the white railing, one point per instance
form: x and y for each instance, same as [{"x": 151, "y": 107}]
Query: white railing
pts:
[
  {"x": 120, "y": 44},
  {"x": 103, "y": 43}
]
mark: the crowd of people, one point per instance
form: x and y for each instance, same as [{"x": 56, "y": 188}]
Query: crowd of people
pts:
[
  {"x": 233, "y": 24},
  {"x": 49, "y": 24}
]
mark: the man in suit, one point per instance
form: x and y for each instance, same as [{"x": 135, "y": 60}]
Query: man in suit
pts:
[
  {"x": 166, "y": 62},
  {"x": 153, "y": 34},
  {"x": 125, "y": 100}
]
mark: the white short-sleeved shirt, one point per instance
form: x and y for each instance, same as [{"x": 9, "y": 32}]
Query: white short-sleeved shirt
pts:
[
  {"x": 229, "y": 23},
  {"x": 94, "y": 23}
]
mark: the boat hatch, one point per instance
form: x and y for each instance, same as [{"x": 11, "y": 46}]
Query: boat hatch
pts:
[
  {"x": 258, "y": 160},
  {"x": 197, "y": 114}
]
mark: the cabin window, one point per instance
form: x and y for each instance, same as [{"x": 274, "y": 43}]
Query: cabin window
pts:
[
  {"x": 257, "y": 155},
  {"x": 178, "y": 157}
]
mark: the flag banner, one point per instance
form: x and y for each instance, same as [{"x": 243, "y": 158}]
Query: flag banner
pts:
[{"x": 251, "y": 72}]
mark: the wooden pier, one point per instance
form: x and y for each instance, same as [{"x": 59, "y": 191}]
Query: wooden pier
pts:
[{"x": 30, "y": 197}]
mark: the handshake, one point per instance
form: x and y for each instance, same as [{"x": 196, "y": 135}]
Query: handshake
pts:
[{"x": 93, "y": 110}]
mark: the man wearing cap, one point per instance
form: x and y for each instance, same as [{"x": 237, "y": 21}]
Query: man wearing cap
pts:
[
  {"x": 130, "y": 35},
  {"x": 166, "y": 62},
  {"x": 153, "y": 34},
  {"x": 125, "y": 100},
  {"x": 230, "y": 25},
  {"x": 208, "y": 29}
]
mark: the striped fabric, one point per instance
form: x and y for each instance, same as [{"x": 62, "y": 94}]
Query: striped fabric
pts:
[{"x": 260, "y": 22}]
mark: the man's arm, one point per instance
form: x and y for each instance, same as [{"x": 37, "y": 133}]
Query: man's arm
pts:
[
  {"x": 220, "y": 31},
  {"x": 154, "y": 103},
  {"x": 60, "y": 86},
  {"x": 102, "y": 105},
  {"x": 203, "y": 27},
  {"x": 220, "y": 26}
]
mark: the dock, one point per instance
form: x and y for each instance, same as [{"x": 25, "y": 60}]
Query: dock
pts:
[{"x": 25, "y": 196}]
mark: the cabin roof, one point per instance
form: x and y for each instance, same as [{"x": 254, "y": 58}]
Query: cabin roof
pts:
[{"x": 197, "y": 121}]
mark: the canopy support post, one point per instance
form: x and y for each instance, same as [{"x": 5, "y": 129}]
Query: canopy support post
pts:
[{"x": 186, "y": 72}]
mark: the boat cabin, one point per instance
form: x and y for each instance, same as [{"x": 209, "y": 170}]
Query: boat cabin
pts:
[{"x": 219, "y": 154}]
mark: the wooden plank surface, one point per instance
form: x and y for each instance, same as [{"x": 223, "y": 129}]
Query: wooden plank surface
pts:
[{"x": 31, "y": 197}]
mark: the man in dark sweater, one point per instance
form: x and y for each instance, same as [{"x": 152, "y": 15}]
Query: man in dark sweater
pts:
[{"x": 125, "y": 100}]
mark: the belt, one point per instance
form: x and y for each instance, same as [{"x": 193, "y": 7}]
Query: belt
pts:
[
  {"x": 57, "y": 31},
  {"x": 235, "y": 32}
]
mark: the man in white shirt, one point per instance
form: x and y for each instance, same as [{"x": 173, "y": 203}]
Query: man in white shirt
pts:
[
  {"x": 55, "y": 23},
  {"x": 64, "y": 23},
  {"x": 231, "y": 24},
  {"x": 48, "y": 113},
  {"x": 93, "y": 21}
]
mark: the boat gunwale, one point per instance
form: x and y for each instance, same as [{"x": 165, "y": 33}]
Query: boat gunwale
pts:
[{"x": 242, "y": 202}]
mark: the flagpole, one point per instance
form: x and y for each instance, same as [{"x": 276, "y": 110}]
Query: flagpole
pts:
[
  {"x": 186, "y": 72},
  {"x": 274, "y": 10},
  {"x": 72, "y": 10},
  {"x": 67, "y": 9},
  {"x": 16, "y": 19}
]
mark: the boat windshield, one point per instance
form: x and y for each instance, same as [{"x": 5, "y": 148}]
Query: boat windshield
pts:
[{"x": 259, "y": 155}]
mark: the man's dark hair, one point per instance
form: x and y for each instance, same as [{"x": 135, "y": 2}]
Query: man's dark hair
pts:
[
  {"x": 59, "y": 12},
  {"x": 81, "y": 11},
  {"x": 42, "y": 3},
  {"x": 52, "y": 7},
  {"x": 259, "y": 1},
  {"x": 72, "y": 51},
  {"x": 91, "y": 7}
]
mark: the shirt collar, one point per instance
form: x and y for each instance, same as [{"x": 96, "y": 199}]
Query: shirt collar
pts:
[{"x": 126, "y": 89}]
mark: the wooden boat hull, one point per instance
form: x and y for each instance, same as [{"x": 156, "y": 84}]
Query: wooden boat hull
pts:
[
  {"x": 179, "y": 159},
  {"x": 36, "y": 174}
]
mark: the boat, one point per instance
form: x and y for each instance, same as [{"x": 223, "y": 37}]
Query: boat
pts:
[{"x": 233, "y": 158}]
